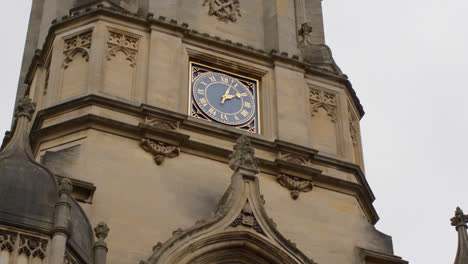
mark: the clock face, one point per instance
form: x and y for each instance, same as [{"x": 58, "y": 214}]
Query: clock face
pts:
[{"x": 224, "y": 98}]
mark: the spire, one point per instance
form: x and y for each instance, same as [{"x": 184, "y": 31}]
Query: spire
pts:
[
  {"x": 243, "y": 156},
  {"x": 459, "y": 221}
]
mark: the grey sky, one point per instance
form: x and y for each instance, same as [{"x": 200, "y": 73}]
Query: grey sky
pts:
[{"x": 408, "y": 62}]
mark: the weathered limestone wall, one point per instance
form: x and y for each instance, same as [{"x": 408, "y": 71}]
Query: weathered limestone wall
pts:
[
  {"x": 144, "y": 203},
  {"x": 102, "y": 75}
]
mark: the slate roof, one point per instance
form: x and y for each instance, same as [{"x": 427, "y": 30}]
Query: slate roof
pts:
[{"x": 28, "y": 191}]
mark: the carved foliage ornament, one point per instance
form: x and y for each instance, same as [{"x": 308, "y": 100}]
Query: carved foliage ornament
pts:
[
  {"x": 295, "y": 185},
  {"x": 160, "y": 150},
  {"x": 224, "y": 10}
]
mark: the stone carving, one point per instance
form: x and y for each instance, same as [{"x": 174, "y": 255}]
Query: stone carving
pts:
[
  {"x": 25, "y": 107},
  {"x": 161, "y": 123},
  {"x": 160, "y": 150},
  {"x": 101, "y": 231},
  {"x": 22, "y": 244},
  {"x": 295, "y": 184},
  {"x": 80, "y": 43},
  {"x": 305, "y": 34},
  {"x": 157, "y": 247},
  {"x": 65, "y": 186},
  {"x": 459, "y": 221},
  {"x": 224, "y": 10},
  {"x": 32, "y": 246},
  {"x": 247, "y": 219},
  {"x": 121, "y": 42},
  {"x": 178, "y": 232},
  {"x": 243, "y": 156},
  {"x": 321, "y": 99},
  {"x": 294, "y": 158},
  {"x": 7, "y": 241}
]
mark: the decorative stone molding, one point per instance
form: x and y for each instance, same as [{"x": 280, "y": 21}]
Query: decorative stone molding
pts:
[
  {"x": 243, "y": 156},
  {"x": 161, "y": 123},
  {"x": 118, "y": 41},
  {"x": 224, "y": 10},
  {"x": 247, "y": 218},
  {"x": 295, "y": 184},
  {"x": 321, "y": 99},
  {"x": 160, "y": 150},
  {"x": 80, "y": 43}
]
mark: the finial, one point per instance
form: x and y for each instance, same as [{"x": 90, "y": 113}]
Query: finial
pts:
[
  {"x": 243, "y": 156},
  {"x": 460, "y": 218},
  {"x": 25, "y": 107},
  {"x": 65, "y": 186},
  {"x": 101, "y": 231}
]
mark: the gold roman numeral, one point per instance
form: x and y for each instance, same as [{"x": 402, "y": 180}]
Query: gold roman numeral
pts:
[
  {"x": 212, "y": 111},
  {"x": 204, "y": 83},
  {"x": 244, "y": 113},
  {"x": 224, "y": 80},
  {"x": 247, "y": 104},
  {"x": 201, "y": 91},
  {"x": 224, "y": 117},
  {"x": 203, "y": 101},
  {"x": 212, "y": 78}
]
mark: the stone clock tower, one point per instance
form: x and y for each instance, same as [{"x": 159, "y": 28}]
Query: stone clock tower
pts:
[{"x": 199, "y": 131}]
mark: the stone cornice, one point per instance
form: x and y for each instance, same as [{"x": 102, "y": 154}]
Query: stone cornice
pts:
[
  {"x": 181, "y": 139},
  {"x": 186, "y": 33},
  {"x": 376, "y": 257}
]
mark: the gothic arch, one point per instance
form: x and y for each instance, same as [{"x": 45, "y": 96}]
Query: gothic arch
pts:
[
  {"x": 130, "y": 55},
  {"x": 240, "y": 227},
  {"x": 244, "y": 247},
  {"x": 71, "y": 54}
]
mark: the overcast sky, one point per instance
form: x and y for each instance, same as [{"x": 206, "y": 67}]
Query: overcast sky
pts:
[{"x": 408, "y": 62}]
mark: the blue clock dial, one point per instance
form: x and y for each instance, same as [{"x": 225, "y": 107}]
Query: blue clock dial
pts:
[{"x": 224, "y": 98}]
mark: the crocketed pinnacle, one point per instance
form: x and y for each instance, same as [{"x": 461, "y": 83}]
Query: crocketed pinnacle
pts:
[{"x": 459, "y": 221}]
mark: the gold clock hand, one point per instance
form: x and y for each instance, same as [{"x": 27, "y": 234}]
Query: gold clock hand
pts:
[{"x": 226, "y": 94}]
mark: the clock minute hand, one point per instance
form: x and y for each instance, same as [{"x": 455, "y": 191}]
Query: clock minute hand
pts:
[{"x": 226, "y": 94}]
